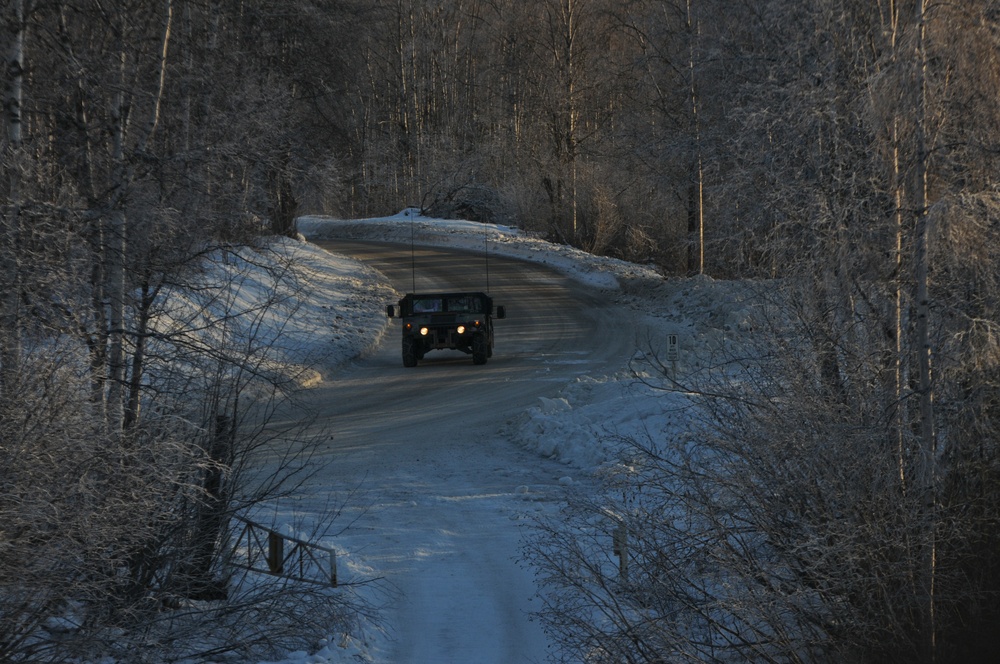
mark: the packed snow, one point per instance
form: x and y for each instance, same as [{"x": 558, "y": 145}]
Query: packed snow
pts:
[{"x": 340, "y": 313}]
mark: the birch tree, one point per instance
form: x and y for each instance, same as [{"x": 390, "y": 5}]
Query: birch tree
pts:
[{"x": 10, "y": 349}]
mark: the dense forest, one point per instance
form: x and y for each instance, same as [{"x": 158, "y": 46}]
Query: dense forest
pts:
[{"x": 841, "y": 153}]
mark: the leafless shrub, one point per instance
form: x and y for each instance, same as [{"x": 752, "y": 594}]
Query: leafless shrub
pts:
[
  {"x": 114, "y": 538},
  {"x": 789, "y": 521}
]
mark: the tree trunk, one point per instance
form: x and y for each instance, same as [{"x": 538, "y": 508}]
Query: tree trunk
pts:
[
  {"x": 928, "y": 462},
  {"x": 284, "y": 206},
  {"x": 134, "y": 402},
  {"x": 114, "y": 264},
  {"x": 210, "y": 516},
  {"x": 115, "y": 236},
  {"x": 10, "y": 335},
  {"x": 696, "y": 220}
]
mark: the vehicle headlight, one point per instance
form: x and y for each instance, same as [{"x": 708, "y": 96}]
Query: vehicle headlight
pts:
[
  {"x": 461, "y": 329},
  {"x": 424, "y": 330}
]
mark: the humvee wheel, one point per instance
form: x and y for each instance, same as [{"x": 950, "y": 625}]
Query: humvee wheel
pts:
[
  {"x": 480, "y": 349},
  {"x": 409, "y": 352}
]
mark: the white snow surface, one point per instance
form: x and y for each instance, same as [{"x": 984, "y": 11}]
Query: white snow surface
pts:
[{"x": 579, "y": 425}]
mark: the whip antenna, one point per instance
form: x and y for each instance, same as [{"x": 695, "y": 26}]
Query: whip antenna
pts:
[
  {"x": 413, "y": 260},
  {"x": 486, "y": 252}
]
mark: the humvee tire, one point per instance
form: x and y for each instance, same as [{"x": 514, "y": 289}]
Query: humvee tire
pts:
[
  {"x": 409, "y": 352},
  {"x": 480, "y": 349}
]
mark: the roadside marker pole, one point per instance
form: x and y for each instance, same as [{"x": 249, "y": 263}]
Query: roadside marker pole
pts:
[{"x": 673, "y": 353}]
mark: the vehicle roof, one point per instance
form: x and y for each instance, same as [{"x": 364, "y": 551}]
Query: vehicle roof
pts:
[{"x": 452, "y": 294}]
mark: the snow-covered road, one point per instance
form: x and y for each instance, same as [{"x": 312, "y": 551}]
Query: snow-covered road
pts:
[
  {"x": 442, "y": 492},
  {"x": 437, "y": 468}
]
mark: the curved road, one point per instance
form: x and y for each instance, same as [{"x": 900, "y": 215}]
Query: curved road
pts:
[{"x": 424, "y": 446}]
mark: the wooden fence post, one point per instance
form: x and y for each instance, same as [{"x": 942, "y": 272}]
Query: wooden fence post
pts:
[
  {"x": 275, "y": 552},
  {"x": 620, "y": 540}
]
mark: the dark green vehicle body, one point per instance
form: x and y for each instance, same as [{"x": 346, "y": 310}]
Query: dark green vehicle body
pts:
[{"x": 455, "y": 321}]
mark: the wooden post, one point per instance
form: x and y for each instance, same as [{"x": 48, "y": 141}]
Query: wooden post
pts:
[
  {"x": 275, "y": 552},
  {"x": 620, "y": 549}
]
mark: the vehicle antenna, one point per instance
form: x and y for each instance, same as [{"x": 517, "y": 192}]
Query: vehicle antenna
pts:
[
  {"x": 486, "y": 251},
  {"x": 413, "y": 261}
]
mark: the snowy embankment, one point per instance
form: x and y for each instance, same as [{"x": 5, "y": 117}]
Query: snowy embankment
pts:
[{"x": 285, "y": 307}]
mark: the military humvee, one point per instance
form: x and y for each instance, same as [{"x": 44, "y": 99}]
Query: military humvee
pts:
[{"x": 456, "y": 321}]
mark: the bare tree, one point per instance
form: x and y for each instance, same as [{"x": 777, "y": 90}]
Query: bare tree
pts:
[
  {"x": 133, "y": 437},
  {"x": 10, "y": 351}
]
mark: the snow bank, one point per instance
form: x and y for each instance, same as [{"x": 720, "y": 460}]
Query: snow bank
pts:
[{"x": 410, "y": 226}]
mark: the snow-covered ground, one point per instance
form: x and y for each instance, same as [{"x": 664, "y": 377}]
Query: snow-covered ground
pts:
[{"x": 578, "y": 425}]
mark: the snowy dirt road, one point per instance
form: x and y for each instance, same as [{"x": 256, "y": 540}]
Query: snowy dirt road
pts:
[{"x": 441, "y": 493}]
